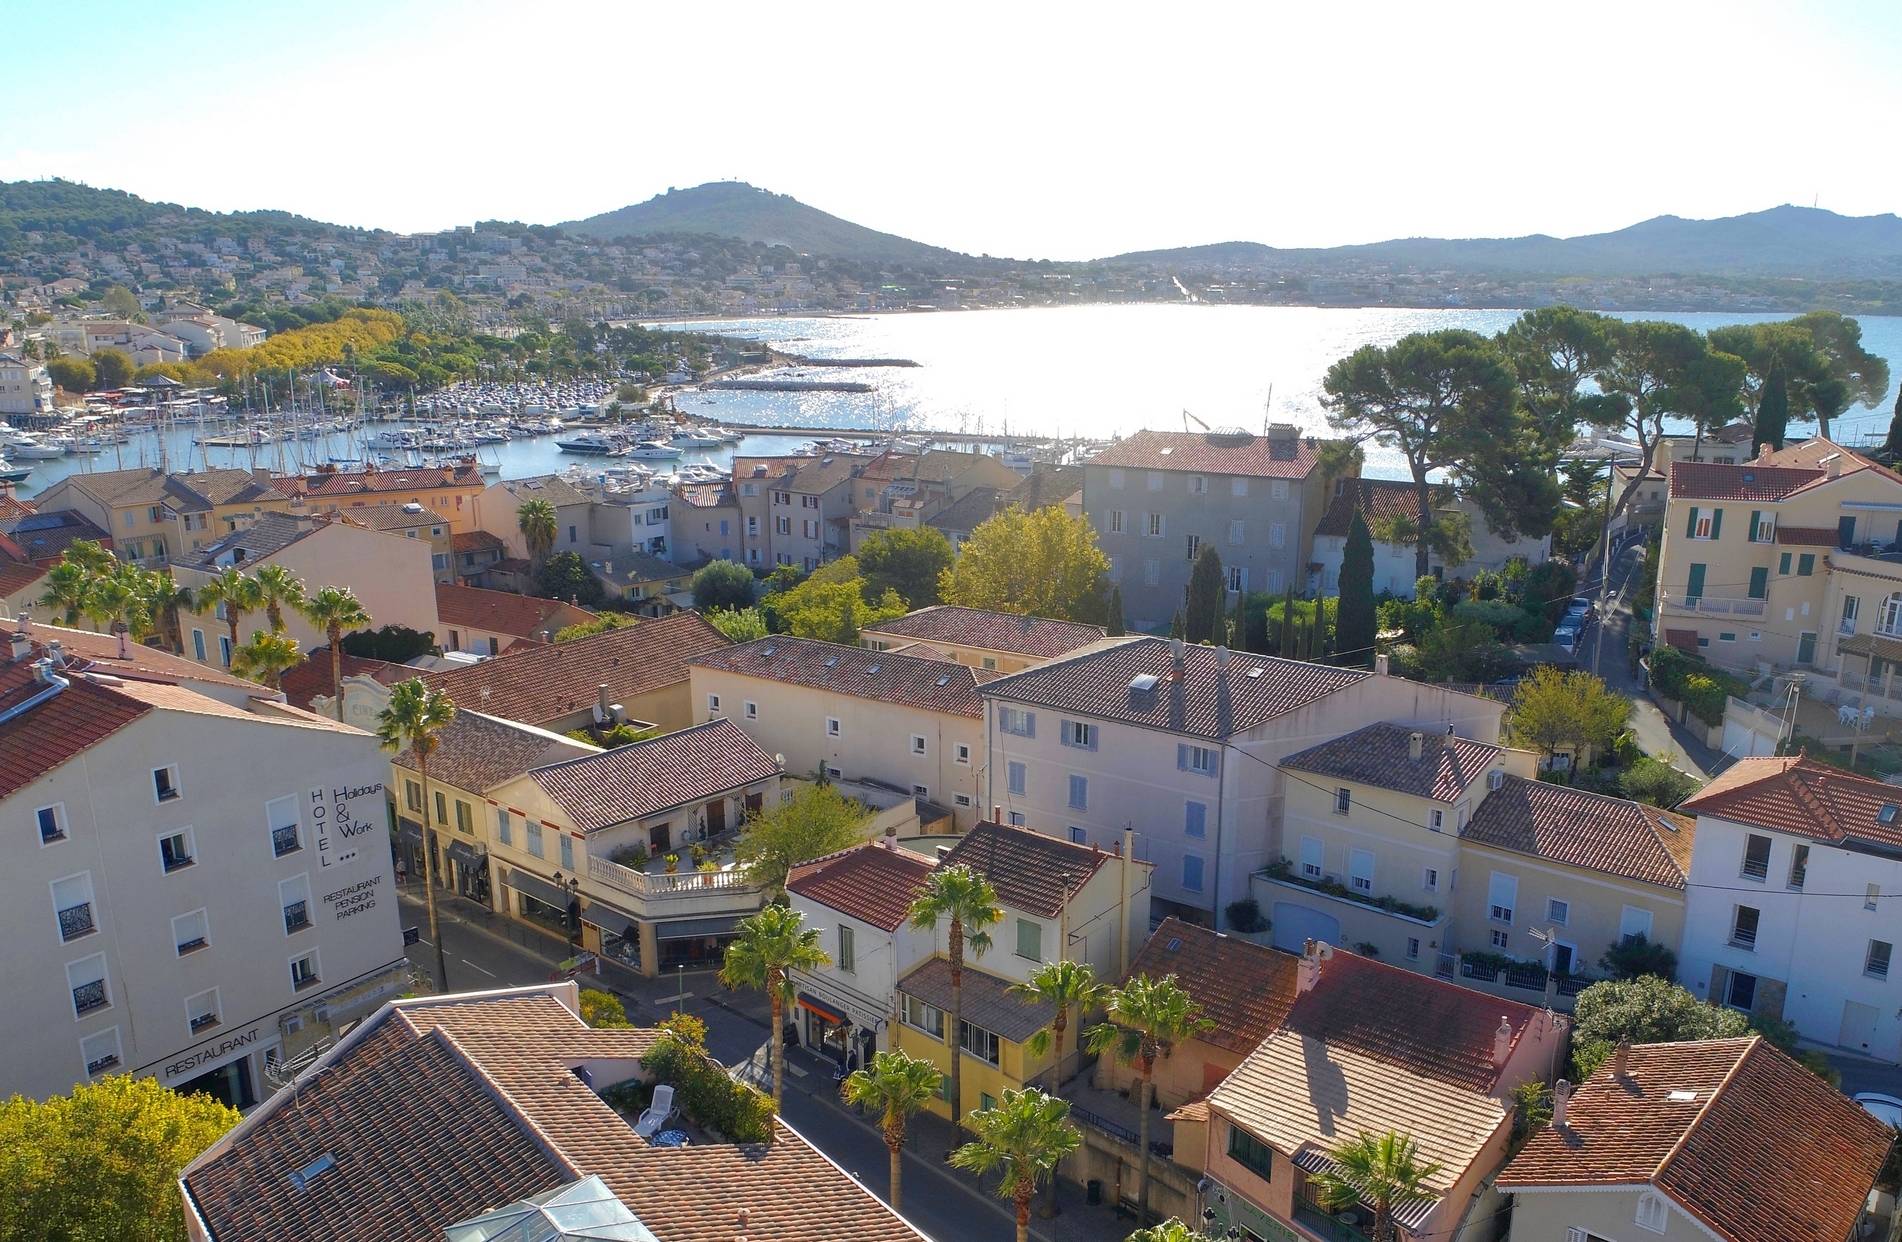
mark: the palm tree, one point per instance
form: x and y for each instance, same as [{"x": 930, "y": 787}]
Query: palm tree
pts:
[
  {"x": 771, "y": 945},
  {"x": 107, "y": 600},
  {"x": 278, "y": 588},
  {"x": 1025, "y": 1136},
  {"x": 1171, "y": 1230},
  {"x": 1066, "y": 985},
  {"x": 968, "y": 900},
  {"x": 536, "y": 520},
  {"x": 413, "y": 718},
  {"x": 1147, "y": 1018},
  {"x": 1382, "y": 1171},
  {"x": 236, "y": 592},
  {"x": 334, "y": 610},
  {"x": 895, "y": 1086},
  {"x": 266, "y": 656},
  {"x": 67, "y": 586},
  {"x": 90, "y": 555},
  {"x": 166, "y": 602}
]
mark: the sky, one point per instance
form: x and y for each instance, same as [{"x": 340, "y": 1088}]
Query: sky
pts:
[{"x": 1030, "y": 129}]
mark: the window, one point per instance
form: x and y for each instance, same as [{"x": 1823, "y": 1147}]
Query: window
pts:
[
  {"x": 750, "y": 710},
  {"x": 1237, "y": 579},
  {"x": 1235, "y": 531},
  {"x": 1017, "y": 722},
  {"x": 1634, "y": 922},
  {"x": 87, "y": 980},
  {"x": 1154, "y": 479},
  {"x": 165, "y": 783},
  {"x": 1430, "y": 879},
  {"x": 100, "y": 1051},
  {"x": 1343, "y": 800},
  {"x": 1195, "y": 820},
  {"x": 1871, "y": 896},
  {"x": 1557, "y": 911},
  {"x": 52, "y": 822},
  {"x": 1152, "y": 571},
  {"x": 1238, "y": 487},
  {"x": 1079, "y": 835},
  {"x": 1152, "y": 525},
  {"x": 1015, "y": 819},
  {"x": 1116, "y": 521},
  {"x": 713, "y": 704},
  {"x": 1763, "y": 527},
  {"x": 413, "y": 796},
  {"x": 72, "y": 906},
  {"x": 304, "y": 971},
  {"x": 1198, "y": 485},
  {"x": 1079, "y": 734},
  {"x": 1312, "y": 858},
  {"x": 533, "y": 836},
  {"x": 963, "y": 754},
  {"x": 1740, "y": 991},
  {"x": 465, "y": 818},
  {"x": 502, "y": 826},
  {"x": 1360, "y": 870},
  {"x": 832, "y": 726},
  {"x": 1852, "y": 605},
  {"x": 1760, "y": 582},
  {"x": 986, "y": 1100},
  {"x": 1194, "y": 546},
  {"x": 846, "y": 958},
  {"x": 1652, "y": 1214},
  {"x": 442, "y": 809},
  {"x": 1502, "y": 894},
  {"x": 1197, "y": 759},
  {"x": 1756, "y": 859},
  {"x": 201, "y": 1011},
  {"x": 990, "y": 662},
  {"x": 1706, "y": 523},
  {"x": 1743, "y": 926},
  {"x": 198, "y": 646},
  {"x": 1079, "y": 793},
  {"x": 224, "y": 649},
  {"x": 294, "y": 895},
  {"x": 567, "y": 850},
  {"x": 1250, "y": 1152},
  {"x": 921, "y": 791},
  {"x": 917, "y": 744},
  {"x": 979, "y": 1042},
  {"x": 1437, "y": 821},
  {"x": 1806, "y": 564},
  {"x": 1278, "y": 534},
  {"x": 1192, "y": 872},
  {"x": 280, "y": 816},
  {"x": 1413, "y": 948},
  {"x": 1030, "y": 940},
  {"x": 1876, "y": 963},
  {"x": 1014, "y": 777},
  {"x": 191, "y": 932},
  {"x": 1116, "y": 479},
  {"x": 175, "y": 850},
  {"x": 1501, "y": 939}
]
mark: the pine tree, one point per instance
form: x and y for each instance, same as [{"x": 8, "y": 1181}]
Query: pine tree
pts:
[
  {"x": 1354, "y": 622},
  {"x": 1116, "y": 626},
  {"x": 1773, "y": 408},
  {"x": 1202, "y": 609}
]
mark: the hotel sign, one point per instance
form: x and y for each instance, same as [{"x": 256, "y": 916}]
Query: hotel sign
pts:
[{"x": 339, "y": 821}]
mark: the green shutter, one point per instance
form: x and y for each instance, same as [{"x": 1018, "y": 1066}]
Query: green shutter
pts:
[
  {"x": 1716, "y": 523},
  {"x": 1805, "y": 564},
  {"x": 1759, "y": 582},
  {"x": 1783, "y": 565},
  {"x": 1755, "y": 516},
  {"x": 1690, "y": 532},
  {"x": 1694, "y": 589}
]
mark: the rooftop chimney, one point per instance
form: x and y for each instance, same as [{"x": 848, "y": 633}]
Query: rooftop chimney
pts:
[
  {"x": 997, "y": 813},
  {"x": 1763, "y": 452},
  {"x": 1833, "y": 465},
  {"x": 22, "y": 646},
  {"x": 1502, "y": 1043},
  {"x": 601, "y": 698},
  {"x": 1308, "y": 972},
  {"x": 1221, "y": 658},
  {"x": 125, "y": 645},
  {"x": 1380, "y": 663},
  {"x": 1561, "y": 1096},
  {"x": 1621, "y": 1060},
  {"x": 944, "y": 852},
  {"x": 56, "y": 652},
  {"x": 1416, "y": 745},
  {"x": 1175, "y": 651}
]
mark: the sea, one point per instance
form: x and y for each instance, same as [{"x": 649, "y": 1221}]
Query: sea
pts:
[{"x": 1078, "y": 371}]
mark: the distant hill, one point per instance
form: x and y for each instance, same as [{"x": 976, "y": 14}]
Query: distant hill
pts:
[
  {"x": 75, "y": 210},
  {"x": 735, "y": 209},
  {"x": 1783, "y": 241}
]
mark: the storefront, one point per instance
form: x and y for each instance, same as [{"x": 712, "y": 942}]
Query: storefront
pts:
[
  {"x": 471, "y": 871},
  {"x": 827, "y": 1029},
  {"x": 617, "y": 934},
  {"x": 409, "y": 849},
  {"x": 693, "y": 944},
  {"x": 228, "y": 1068},
  {"x": 541, "y": 901}
]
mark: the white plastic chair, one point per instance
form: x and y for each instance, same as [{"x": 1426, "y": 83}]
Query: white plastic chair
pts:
[
  {"x": 1868, "y": 717},
  {"x": 658, "y": 1114}
]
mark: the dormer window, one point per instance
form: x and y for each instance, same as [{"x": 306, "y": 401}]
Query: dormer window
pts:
[{"x": 1652, "y": 1213}]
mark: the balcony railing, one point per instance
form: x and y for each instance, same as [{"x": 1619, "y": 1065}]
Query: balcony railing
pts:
[
  {"x": 101, "y": 1064},
  {"x": 296, "y": 916},
  {"x": 284, "y": 841},
  {"x": 89, "y": 996},
  {"x": 686, "y": 884},
  {"x": 76, "y": 921},
  {"x": 1717, "y": 606},
  {"x": 1755, "y": 869},
  {"x": 1528, "y": 976},
  {"x": 1743, "y": 937},
  {"x": 202, "y": 1021}
]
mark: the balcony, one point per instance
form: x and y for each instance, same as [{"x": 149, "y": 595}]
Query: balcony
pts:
[
  {"x": 204, "y": 1021},
  {"x": 76, "y": 921},
  {"x": 1716, "y": 606},
  {"x": 89, "y": 996},
  {"x": 284, "y": 841},
  {"x": 1744, "y": 938},
  {"x": 101, "y": 1064},
  {"x": 296, "y": 917},
  {"x": 725, "y": 889}
]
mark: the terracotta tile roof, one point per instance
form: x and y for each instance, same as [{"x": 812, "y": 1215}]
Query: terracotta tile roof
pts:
[
  {"x": 1204, "y": 701},
  {"x": 540, "y": 684},
  {"x": 757, "y": 468},
  {"x": 12, "y": 506},
  {"x": 1029, "y": 870},
  {"x": 263, "y": 539},
  {"x": 478, "y": 752},
  {"x": 312, "y": 677},
  {"x": 930, "y": 466},
  {"x": 1808, "y": 536},
  {"x": 392, "y": 517},
  {"x": 19, "y": 575},
  {"x": 1208, "y": 453},
  {"x": 993, "y": 631},
  {"x": 1578, "y": 829},
  {"x": 505, "y": 612},
  {"x": 1702, "y": 480},
  {"x": 476, "y": 541},
  {"x": 988, "y": 1000},
  {"x": 553, "y": 488},
  {"x": 140, "y": 663},
  {"x": 966, "y": 513},
  {"x": 705, "y": 495},
  {"x": 1045, "y": 486},
  {"x": 360, "y": 482},
  {"x": 1194, "y": 1110},
  {"x": 869, "y": 882},
  {"x": 199, "y": 489},
  {"x": 44, "y": 536},
  {"x": 1741, "y": 1137},
  {"x": 68, "y": 724},
  {"x": 512, "y": 1118},
  {"x": 1245, "y": 988},
  {"x": 1813, "y": 451},
  {"x": 1378, "y": 755},
  {"x": 1375, "y": 499},
  {"x": 1797, "y": 795},
  {"x": 645, "y": 778},
  {"x": 886, "y": 676}
]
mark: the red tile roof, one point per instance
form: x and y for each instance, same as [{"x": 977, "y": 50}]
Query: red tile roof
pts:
[
  {"x": 1204, "y": 701},
  {"x": 312, "y": 677},
  {"x": 1614, "y": 835},
  {"x": 100, "y": 653},
  {"x": 1702, "y": 480},
  {"x": 19, "y": 575},
  {"x": 1244, "y": 988},
  {"x": 645, "y": 778},
  {"x": 59, "y": 728},
  {"x": 1206, "y": 453},
  {"x": 1376, "y": 500},
  {"x": 544, "y": 683},
  {"x": 1029, "y": 870},
  {"x": 886, "y": 676},
  {"x": 477, "y": 752},
  {"x": 1808, "y": 536},
  {"x": 504, "y": 612},
  {"x": 12, "y": 506},
  {"x": 1378, "y": 755},
  {"x": 359, "y": 482},
  {"x": 872, "y": 883},
  {"x": 1741, "y": 1137},
  {"x": 992, "y": 631},
  {"x": 1795, "y": 794},
  {"x": 475, "y": 541}
]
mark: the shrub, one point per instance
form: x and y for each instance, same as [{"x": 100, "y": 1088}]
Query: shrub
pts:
[
  {"x": 706, "y": 1093},
  {"x": 1635, "y": 956},
  {"x": 1548, "y": 588},
  {"x": 602, "y": 1010},
  {"x": 1245, "y": 916},
  {"x": 634, "y": 856},
  {"x": 722, "y": 584},
  {"x": 1656, "y": 783}
]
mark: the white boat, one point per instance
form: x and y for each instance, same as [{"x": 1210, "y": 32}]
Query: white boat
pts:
[
  {"x": 654, "y": 450},
  {"x": 694, "y": 439},
  {"x": 594, "y": 444},
  {"x": 30, "y": 448},
  {"x": 10, "y": 473}
]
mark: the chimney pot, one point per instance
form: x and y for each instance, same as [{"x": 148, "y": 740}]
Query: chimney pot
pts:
[
  {"x": 997, "y": 812},
  {"x": 22, "y": 646},
  {"x": 944, "y": 852},
  {"x": 1561, "y": 1096},
  {"x": 601, "y": 698},
  {"x": 1221, "y": 657},
  {"x": 1380, "y": 663},
  {"x": 1416, "y": 745},
  {"x": 56, "y": 652},
  {"x": 1502, "y": 1042},
  {"x": 1176, "y": 649},
  {"x": 1621, "y": 1061}
]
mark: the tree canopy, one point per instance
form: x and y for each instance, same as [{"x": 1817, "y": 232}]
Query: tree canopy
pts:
[
  {"x": 832, "y": 604},
  {"x": 1644, "y": 1010},
  {"x": 816, "y": 820},
  {"x": 722, "y": 584},
  {"x": 1354, "y": 620},
  {"x": 908, "y": 561},
  {"x": 1043, "y": 563},
  {"x": 1553, "y": 708},
  {"x": 565, "y": 576},
  {"x": 1202, "y": 611}
]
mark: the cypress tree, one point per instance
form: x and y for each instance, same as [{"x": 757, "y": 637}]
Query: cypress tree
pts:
[
  {"x": 1773, "y": 408},
  {"x": 1175, "y": 625},
  {"x": 1116, "y": 625},
  {"x": 1354, "y": 623},
  {"x": 1202, "y": 610},
  {"x": 1892, "y": 447},
  {"x": 1286, "y": 647}
]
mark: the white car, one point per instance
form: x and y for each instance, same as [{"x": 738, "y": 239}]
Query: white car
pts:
[{"x": 1884, "y": 1108}]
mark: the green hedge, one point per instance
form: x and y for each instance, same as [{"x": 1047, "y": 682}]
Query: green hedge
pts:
[
  {"x": 709, "y": 1095},
  {"x": 1701, "y": 688}
]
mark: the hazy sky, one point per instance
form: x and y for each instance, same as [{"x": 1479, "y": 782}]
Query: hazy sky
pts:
[{"x": 1029, "y": 129}]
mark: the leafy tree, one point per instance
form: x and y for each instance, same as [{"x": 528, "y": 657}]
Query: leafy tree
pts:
[
  {"x": 278, "y": 589},
  {"x": 1576, "y": 531},
  {"x": 1380, "y": 1170},
  {"x": 601, "y": 624},
  {"x": 72, "y": 374},
  {"x": 1039, "y": 564},
  {"x": 236, "y": 592},
  {"x": 1553, "y": 708},
  {"x": 112, "y": 368},
  {"x": 909, "y": 562},
  {"x": 817, "y": 820},
  {"x": 834, "y": 603},
  {"x": 1024, "y": 1136},
  {"x": 1645, "y": 1010},
  {"x": 966, "y": 900},
  {"x": 1354, "y": 625},
  {"x": 536, "y": 520},
  {"x": 122, "y": 302},
  {"x": 1892, "y": 446},
  {"x": 1662, "y": 369},
  {"x": 603, "y": 1010},
  {"x": 1144, "y": 1020},
  {"x": 413, "y": 719},
  {"x": 1443, "y": 400},
  {"x": 266, "y": 656},
  {"x": 739, "y": 625},
  {"x": 770, "y": 946},
  {"x": 1656, "y": 783},
  {"x": 722, "y": 584},
  {"x": 103, "y": 1161},
  {"x": 1850, "y": 373},
  {"x": 1553, "y": 351},
  {"x": 1202, "y": 608},
  {"x": 1548, "y": 587},
  {"x": 1773, "y": 408},
  {"x": 397, "y": 644},
  {"x": 566, "y": 576},
  {"x": 1171, "y": 1230},
  {"x": 894, "y": 1086},
  {"x": 1637, "y": 956},
  {"x": 1448, "y": 536}
]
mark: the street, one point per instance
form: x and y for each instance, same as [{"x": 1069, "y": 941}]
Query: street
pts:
[
  {"x": 486, "y": 951},
  {"x": 1607, "y": 653}
]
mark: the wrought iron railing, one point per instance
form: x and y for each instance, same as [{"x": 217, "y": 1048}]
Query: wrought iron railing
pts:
[
  {"x": 296, "y": 916},
  {"x": 203, "y": 1020},
  {"x": 284, "y": 840},
  {"x": 76, "y": 921},
  {"x": 90, "y": 996}
]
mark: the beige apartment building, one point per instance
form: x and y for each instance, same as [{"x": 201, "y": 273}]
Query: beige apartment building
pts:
[
  {"x": 204, "y": 889},
  {"x": 155, "y": 517},
  {"x": 915, "y": 725}
]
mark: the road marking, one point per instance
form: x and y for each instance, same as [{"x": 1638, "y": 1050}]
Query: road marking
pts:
[
  {"x": 797, "y": 1070},
  {"x": 472, "y": 966}
]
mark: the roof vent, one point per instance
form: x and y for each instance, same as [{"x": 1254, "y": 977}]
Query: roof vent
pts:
[
  {"x": 871, "y": 670},
  {"x": 314, "y": 1170},
  {"x": 1495, "y": 779},
  {"x": 1682, "y": 1097},
  {"x": 1144, "y": 683},
  {"x": 944, "y": 681},
  {"x": 1416, "y": 745},
  {"x": 832, "y": 661},
  {"x": 1256, "y": 671},
  {"x": 1887, "y": 814},
  {"x": 769, "y": 652}
]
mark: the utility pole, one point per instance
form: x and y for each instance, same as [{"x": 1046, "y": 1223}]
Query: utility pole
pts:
[{"x": 1604, "y": 563}]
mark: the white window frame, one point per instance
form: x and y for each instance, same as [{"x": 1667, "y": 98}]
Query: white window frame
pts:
[
  {"x": 316, "y": 969},
  {"x": 1558, "y": 911},
  {"x": 749, "y": 709},
  {"x": 271, "y": 826},
  {"x": 1360, "y": 871},
  {"x": 713, "y": 704},
  {"x": 1238, "y": 486},
  {"x": 82, "y": 879},
  {"x": 963, "y": 754},
  {"x": 833, "y": 727},
  {"x": 1116, "y": 521},
  {"x": 217, "y": 1012},
  {"x": 1278, "y": 489},
  {"x": 1631, "y": 915},
  {"x": 1653, "y": 1213},
  {"x": 59, "y": 821},
  {"x": 191, "y": 848},
  {"x": 1315, "y": 848},
  {"x": 203, "y": 927},
  {"x": 1237, "y": 532},
  {"x": 75, "y": 969},
  {"x": 1502, "y": 883},
  {"x": 294, "y": 885},
  {"x": 178, "y": 787},
  {"x": 108, "y": 1061},
  {"x": 1198, "y": 485},
  {"x": 1430, "y": 879}
]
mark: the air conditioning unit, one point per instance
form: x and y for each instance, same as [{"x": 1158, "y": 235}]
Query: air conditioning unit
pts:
[{"x": 1495, "y": 779}]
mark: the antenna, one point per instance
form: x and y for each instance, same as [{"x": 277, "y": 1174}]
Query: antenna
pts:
[{"x": 1268, "y": 410}]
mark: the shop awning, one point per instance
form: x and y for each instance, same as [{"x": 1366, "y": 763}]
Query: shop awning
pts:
[
  {"x": 467, "y": 856},
  {"x": 410, "y": 833},
  {"x": 541, "y": 890},
  {"x": 808, "y": 1001},
  {"x": 689, "y": 929},
  {"x": 608, "y": 919}
]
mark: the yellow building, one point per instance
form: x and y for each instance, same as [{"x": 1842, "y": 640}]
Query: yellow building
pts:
[
  {"x": 154, "y": 517},
  {"x": 981, "y": 639},
  {"x": 449, "y": 491}
]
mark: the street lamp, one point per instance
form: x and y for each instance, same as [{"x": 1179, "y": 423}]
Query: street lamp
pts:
[{"x": 571, "y": 917}]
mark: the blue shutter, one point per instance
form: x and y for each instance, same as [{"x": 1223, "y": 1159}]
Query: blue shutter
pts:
[
  {"x": 1182, "y": 757},
  {"x": 1756, "y": 515}
]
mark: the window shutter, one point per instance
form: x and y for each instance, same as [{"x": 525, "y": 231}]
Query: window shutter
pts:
[
  {"x": 1690, "y": 531},
  {"x": 1759, "y": 582},
  {"x": 1694, "y": 588},
  {"x": 1030, "y": 724},
  {"x": 1182, "y": 757},
  {"x": 1756, "y": 516},
  {"x": 1574, "y": 1234},
  {"x": 1716, "y": 523}
]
